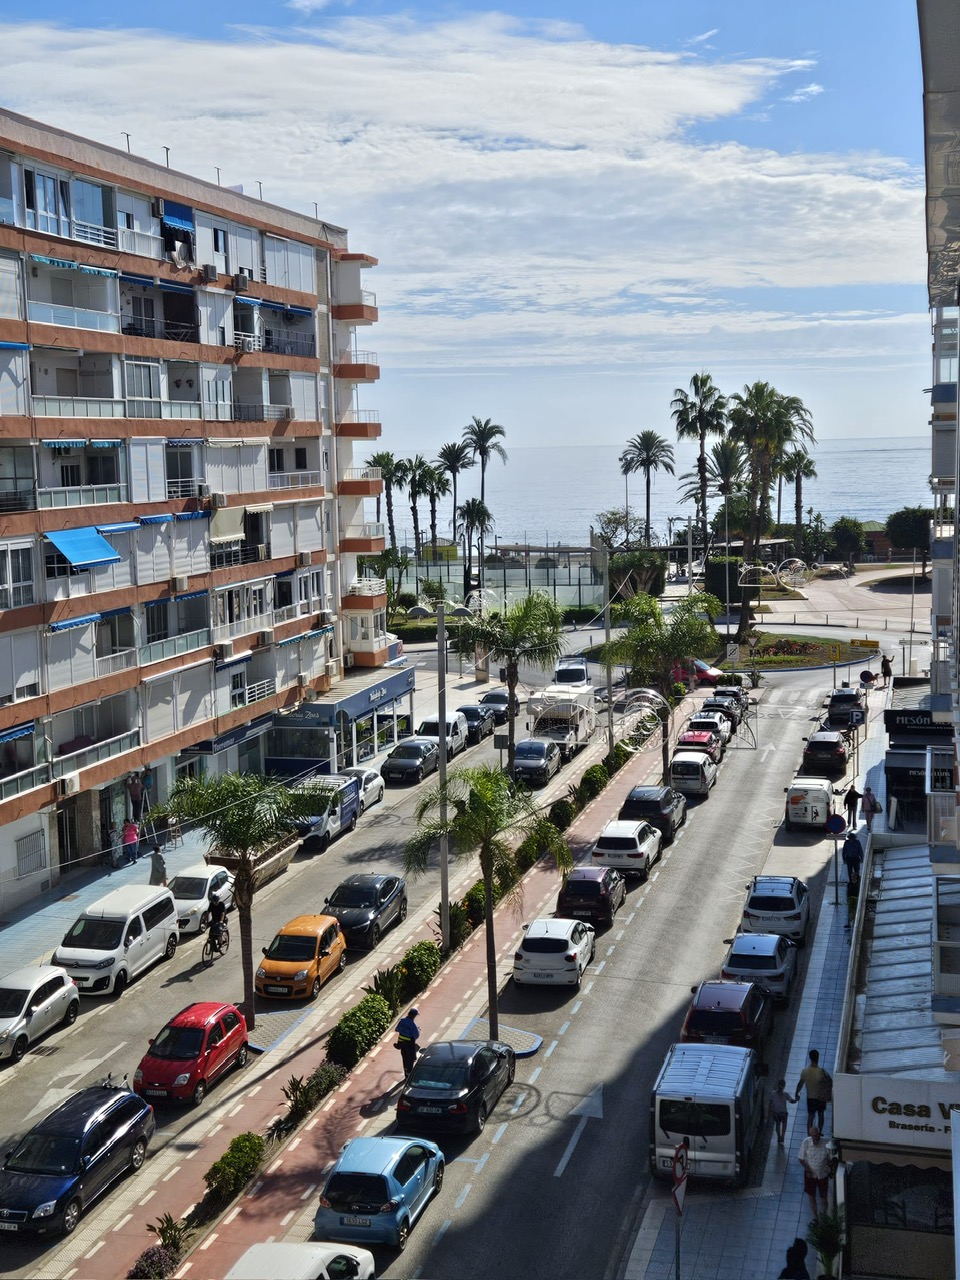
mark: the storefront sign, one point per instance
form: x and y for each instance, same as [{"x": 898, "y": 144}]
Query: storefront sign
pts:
[
  {"x": 915, "y": 722},
  {"x": 310, "y": 715},
  {"x": 894, "y": 1111},
  {"x": 233, "y": 738}
]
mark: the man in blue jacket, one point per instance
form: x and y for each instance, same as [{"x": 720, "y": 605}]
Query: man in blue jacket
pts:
[{"x": 408, "y": 1033}]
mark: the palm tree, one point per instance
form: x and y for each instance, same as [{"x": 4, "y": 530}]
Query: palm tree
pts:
[
  {"x": 487, "y": 813},
  {"x": 647, "y": 452},
  {"x": 244, "y": 816},
  {"x": 795, "y": 468},
  {"x": 753, "y": 423},
  {"x": 388, "y": 468},
  {"x": 414, "y": 471},
  {"x": 435, "y": 486},
  {"x": 454, "y": 458},
  {"x": 793, "y": 425},
  {"x": 699, "y": 413},
  {"x": 530, "y": 631},
  {"x": 483, "y": 438},
  {"x": 475, "y": 519}
]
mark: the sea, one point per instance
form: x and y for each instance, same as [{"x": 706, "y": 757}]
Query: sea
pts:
[{"x": 552, "y": 494}]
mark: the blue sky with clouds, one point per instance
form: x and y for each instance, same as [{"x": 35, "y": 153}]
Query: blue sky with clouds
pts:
[{"x": 574, "y": 207}]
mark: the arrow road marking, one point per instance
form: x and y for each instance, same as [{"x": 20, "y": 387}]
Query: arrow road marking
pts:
[
  {"x": 591, "y": 1108},
  {"x": 771, "y": 746}
]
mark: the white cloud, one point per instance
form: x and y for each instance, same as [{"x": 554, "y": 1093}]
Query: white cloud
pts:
[
  {"x": 806, "y": 92},
  {"x": 705, "y": 36}
]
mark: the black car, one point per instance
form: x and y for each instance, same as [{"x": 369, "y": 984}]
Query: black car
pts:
[
  {"x": 729, "y": 1012},
  {"x": 592, "y": 893},
  {"x": 662, "y": 807},
  {"x": 365, "y": 906},
  {"x": 411, "y": 761},
  {"x": 842, "y": 703},
  {"x": 535, "y": 761},
  {"x": 499, "y": 702},
  {"x": 455, "y": 1085},
  {"x": 69, "y": 1159},
  {"x": 825, "y": 754},
  {"x": 480, "y": 722}
]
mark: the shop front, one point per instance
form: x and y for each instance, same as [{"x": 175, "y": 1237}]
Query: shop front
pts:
[{"x": 239, "y": 751}]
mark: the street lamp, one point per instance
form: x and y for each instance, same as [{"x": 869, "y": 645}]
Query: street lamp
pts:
[{"x": 420, "y": 611}]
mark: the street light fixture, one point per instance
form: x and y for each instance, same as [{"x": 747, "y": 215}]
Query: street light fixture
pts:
[{"x": 460, "y": 611}]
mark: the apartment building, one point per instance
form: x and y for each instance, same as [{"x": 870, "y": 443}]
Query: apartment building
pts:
[{"x": 181, "y": 502}]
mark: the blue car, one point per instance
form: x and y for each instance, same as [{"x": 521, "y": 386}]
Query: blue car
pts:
[{"x": 378, "y": 1189}]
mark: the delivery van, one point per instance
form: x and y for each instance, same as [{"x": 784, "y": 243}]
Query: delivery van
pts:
[
  {"x": 692, "y": 773},
  {"x": 457, "y": 732},
  {"x": 809, "y": 803},
  {"x": 119, "y": 936},
  {"x": 710, "y": 1094},
  {"x": 340, "y": 812}
]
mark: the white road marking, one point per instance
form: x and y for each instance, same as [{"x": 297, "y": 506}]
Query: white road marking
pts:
[
  {"x": 619, "y": 935},
  {"x": 123, "y": 1222},
  {"x": 590, "y": 1108},
  {"x": 276, "y": 1165},
  {"x": 309, "y": 1191},
  {"x": 96, "y": 1249},
  {"x": 148, "y": 1197},
  {"x": 232, "y": 1214},
  {"x": 518, "y": 1104},
  {"x": 611, "y": 950},
  {"x": 483, "y": 1160},
  {"x": 286, "y": 1217},
  {"x": 178, "y": 1275},
  {"x": 599, "y": 968},
  {"x": 551, "y": 1049},
  {"x": 501, "y": 1130},
  {"x": 588, "y": 988},
  {"x": 575, "y": 1008},
  {"x": 535, "y": 1075},
  {"x": 629, "y": 919},
  {"x": 563, "y": 1028},
  {"x": 236, "y": 1110},
  {"x": 462, "y": 1196},
  {"x": 209, "y": 1240},
  {"x": 172, "y": 1174},
  {"x": 442, "y": 1232}
]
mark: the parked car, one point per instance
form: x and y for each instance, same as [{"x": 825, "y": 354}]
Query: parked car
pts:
[
  {"x": 371, "y": 785},
  {"x": 302, "y": 956},
  {"x": 410, "y": 761},
  {"x": 711, "y": 722},
  {"x": 777, "y": 904},
  {"x": 692, "y": 772},
  {"x": 480, "y": 720},
  {"x": 735, "y": 692},
  {"x": 825, "y": 754},
  {"x": 704, "y": 740},
  {"x": 768, "y": 959},
  {"x": 33, "y": 1001},
  {"x": 841, "y": 703},
  {"x": 191, "y": 889},
  {"x": 592, "y": 893},
  {"x": 809, "y": 802},
  {"x": 499, "y": 702},
  {"x": 555, "y": 952},
  {"x": 662, "y": 807},
  {"x": 68, "y": 1160},
  {"x": 454, "y": 1086},
  {"x": 196, "y": 1047},
  {"x": 699, "y": 671},
  {"x": 365, "y": 906},
  {"x": 721, "y": 1012},
  {"x": 728, "y": 707},
  {"x": 536, "y": 760},
  {"x": 631, "y": 847},
  {"x": 310, "y": 1260},
  {"x": 377, "y": 1189}
]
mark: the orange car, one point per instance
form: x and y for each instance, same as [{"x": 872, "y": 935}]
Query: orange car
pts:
[{"x": 304, "y": 953}]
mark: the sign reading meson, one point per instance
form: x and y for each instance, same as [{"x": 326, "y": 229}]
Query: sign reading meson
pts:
[{"x": 894, "y": 1110}]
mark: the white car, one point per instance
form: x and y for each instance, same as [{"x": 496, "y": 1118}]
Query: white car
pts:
[
  {"x": 631, "y": 847},
  {"x": 311, "y": 1261},
  {"x": 777, "y": 904},
  {"x": 554, "y": 952},
  {"x": 768, "y": 959},
  {"x": 191, "y": 894},
  {"x": 33, "y": 1001},
  {"x": 371, "y": 785},
  {"x": 716, "y": 722}
]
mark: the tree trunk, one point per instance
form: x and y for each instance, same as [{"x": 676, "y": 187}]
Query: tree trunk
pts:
[
  {"x": 513, "y": 679},
  {"x": 702, "y": 469},
  {"x": 665, "y": 743},
  {"x": 433, "y": 527},
  {"x": 416, "y": 528},
  {"x": 493, "y": 1013},
  {"x": 243, "y": 900},
  {"x": 798, "y": 514},
  {"x": 647, "y": 520},
  {"x": 388, "y": 496}
]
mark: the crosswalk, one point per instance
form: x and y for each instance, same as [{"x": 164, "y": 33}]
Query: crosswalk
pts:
[{"x": 791, "y": 704}]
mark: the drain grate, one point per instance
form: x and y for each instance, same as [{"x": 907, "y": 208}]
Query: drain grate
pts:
[{"x": 46, "y": 1050}]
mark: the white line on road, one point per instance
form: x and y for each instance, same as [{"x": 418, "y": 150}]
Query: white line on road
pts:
[
  {"x": 96, "y": 1249},
  {"x": 236, "y": 1110},
  {"x": 209, "y": 1240},
  {"x": 629, "y": 919},
  {"x": 599, "y": 967},
  {"x": 232, "y": 1214},
  {"x": 611, "y": 950},
  {"x": 588, "y": 988},
  {"x": 255, "y": 1188},
  {"x": 535, "y": 1075},
  {"x": 172, "y": 1174},
  {"x": 216, "y": 1129},
  {"x": 563, "y": 1028},
  {"x": 276, "y": 1165},
  {"x": 462, "y": 1196},
  {"x": 501, "y": 1130},
  {"x": 551, "y": 1049},
  {"x": 442, "y": 1232},
  {"x": 309, "y": 1191},
  {"x": 654, "y": 877},
  {"x": 294, "y": 1144},
  {"x": 576, "y": 1007},
  {"x": 518, "y": 1104},
  {"x": 565, "y": 1159},
  {"x": 619, "y": 935},
  {"x": 483, "y": 1160},
  {"x": 251, "y": 1093},
  {"x": 286, "y": 1217},
  {"x": 148, "y": 1197},
  {"x": 178, "y": 1275},
  {"x": 123, "y": 1222}
]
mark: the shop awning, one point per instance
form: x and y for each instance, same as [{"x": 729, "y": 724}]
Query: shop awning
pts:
[
  {"x": 122, "y": 526},
  {"x": 146, "y": 282},
  {"x": 64, "y": 444},
  {"x": 105, "y": 444},
  {"x": 227, "y": 525},
  {"x": 14, "y": 346},
  {"x": 21, "y": 731},
  {"x": 164, "y": 518},
  {"x": 84, "y": 548},
  {"x": 300, "y": 311},
  {"x": 176, "y": 220},
  {"x": 175, "y": 288},
  {"x": 246, "y": 301},
  {"x": 69, "y": 623},
  {"x": 54, "y": 262},
  {"x": 193, "y": 515}
]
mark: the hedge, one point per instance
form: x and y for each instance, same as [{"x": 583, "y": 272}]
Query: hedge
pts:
[
  {"x": 231, "y": 1173},
  {"x": 358, "y": 1031},
  {"x": 562, "y": 813}
]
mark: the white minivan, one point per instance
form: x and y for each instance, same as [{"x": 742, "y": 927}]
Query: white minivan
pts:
[
  {"x": 809, "y": 803},
  {"x": 119, "y": 936},
  {"x": 456, "y": 732},
  {"x": 692, "y": 773}
]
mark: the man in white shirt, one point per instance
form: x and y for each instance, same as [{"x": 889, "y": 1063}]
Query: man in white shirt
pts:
[{"x": 815, "y": 1157}]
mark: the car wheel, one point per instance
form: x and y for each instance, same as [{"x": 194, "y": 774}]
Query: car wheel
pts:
[
  {"x": 403, "y": 1235},
  {"x": 199, "y": 1093},
  {"x": 120, "y": 984},
  {"x": 324, "y": 844},
  {"x": 511, "y": 1072},
  {"x": 138, "y": 1154},
  {"x": 204, "y": 922},
  {"x": 374, "y": 936},
  {"x": 19, "y": 1048},
  {"x": 438, "y": 1179},
  {"x": 353, "y": 822},
  {"x": 315, "y": 989},
  {"x": 243, "y": 1053},
  {"x": 482, "y": 1118},
  {"x": 171, "y": 948},
  {"x": 362, "y": 807},
  {"x": 402, "y": 914},
  {"x": 343, "y": 961},
  {"x": 73, "y": 1010},
  {"x": 418, "y": 776},
  {"x": 71, "y": 1216}
]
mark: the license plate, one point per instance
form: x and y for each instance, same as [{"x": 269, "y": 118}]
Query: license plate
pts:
[
  {"x": 666, "y": 1162},
  {"x": 548, "y": 976},
  {"x": 155, "y": 1093},
  {"x": 355, "y": 1222},
  {"x": 8, "y": 1226},
  {"x": 714, "y": 1040},
  {"x": 277, "y": 991},
  {"x": 430, "y": 1111}
]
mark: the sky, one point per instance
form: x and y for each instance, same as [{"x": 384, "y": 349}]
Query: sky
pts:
[{"x": 574, "y": 207}]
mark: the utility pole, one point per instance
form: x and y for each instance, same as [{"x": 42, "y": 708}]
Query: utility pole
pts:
[
  {"x": 606, "y": 651},
  {"x": 444, "y": 838},
  {"x": 689, "y": 556}
]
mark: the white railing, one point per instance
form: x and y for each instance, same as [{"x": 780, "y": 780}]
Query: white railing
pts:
[
  {"x": 295, "y": 479},
  {"x": 367, "y": 586},
  {"x": 356, "y": 357},
  {"x": 217, "y": 411},
  {"x": 254, "y": 692},
  {"x": 362, "y": 473},
  {"x": 88, "y": 495},
  {"x": 143, "y": 243},
  {"x": 290, "y": 612},
  {"x": 178, "y": 409},
  {"x": 942, "y": 817},
  {"x": 73, "y": 317},
  {"x": 248, "y": 342},
  {"x": 243, "y": 626},
  {"x": 110, "y": 663},
  {"x": 174, "y": 646},
  {"x": 77, "y": 407},
  {"x": 360, "y": 415},
  {"x": 184, "y": 488},
  {"x": 17, "y": 783},
  {"x": 368, "y": 297},
  {"x": 370, "y": 530},
  {"x": 92, "y": 233},
  {"x": 95, "y": 753}
]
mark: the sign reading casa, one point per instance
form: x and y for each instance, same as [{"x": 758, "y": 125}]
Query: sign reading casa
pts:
[{"x": 894, "y": 1112}]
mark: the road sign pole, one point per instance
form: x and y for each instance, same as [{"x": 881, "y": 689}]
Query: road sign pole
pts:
[
  {"x": 681, "y": 1159},
  {"x": 836, "y": 825}
]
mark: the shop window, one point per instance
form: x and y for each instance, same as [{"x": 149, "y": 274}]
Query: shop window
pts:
[{"x": 906, "y": 1198}]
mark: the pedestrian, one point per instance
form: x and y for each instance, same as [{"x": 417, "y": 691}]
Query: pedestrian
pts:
[
  {"x": 852, "y": 855},
  {"x": 886, "y": 670},
  {"x": 851, "y": 799},
  {"x": 158, "y": 868},
  {"x": 778, "y": 1109},
  {"x": 816, "y": 1159},
  {"x": 796, "y": 1268},
  {"x": 135, "y": 792},
  {"x": 130, "y": 835},
  {"x": 408, "y": 1033},
  {"x": 870, "y": 806},
  {"x": 819, "y": 1086}
]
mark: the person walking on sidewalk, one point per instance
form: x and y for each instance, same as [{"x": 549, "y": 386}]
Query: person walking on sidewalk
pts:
[
  {"x": 816, "y": 1160},
  {"x": 778, "y": 1109},
  {"x": 130, "y": 836},
  {"x": 158, "y": 868},
  {"x": 819, "y": 1086},
  {"x": 886, "y": 670},
  {"x": 851, "y": 798},
  {"x": 870, "y": 806},
  {"x": 408, "y": 1033},
  {"x": 852, "y": 855}
]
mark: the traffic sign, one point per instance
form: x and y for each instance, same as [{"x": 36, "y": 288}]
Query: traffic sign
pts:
[
  {"x": 856, "y": 717},
  {"x": 678, "y": 1193},
  {"x": 681, "y": 1159},
  {"x": 867, "y": 678},
  {"x": 733, "y": 653},
  {"x": 836, "y": 824}
]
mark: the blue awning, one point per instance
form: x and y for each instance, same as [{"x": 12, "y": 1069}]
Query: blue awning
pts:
[
  {"x": 180, "y": 224},
  {"x": 285, "y": 573},
  {"x": 301, "y": 311},
  {"x": 96, "y": 271},
  {"x": 193, "y": 515},
  {"x": 116, "y": 613},
  {"x": 122, "y": 526},
  {"x": 54, "y": 262},
  {"x": 69, "y": 623},
  {"x": 175, "y": 288},
  {"x": 246, "y": 301},
  {"x": 165, "y": 518},
  {"x": 177, "y": 214},
  {"x": 147, "y": 282},
  {"x": 105, "y": 444},
  {"x": 21, "y": 731},
  {"x": 64, "y": 444},
  {"x": 175, "y": 443},
  {"x": 273, "y": 306},
  {"x": 84, "y": 548},
  {"x": 304, "y": 635},
  {"x": 235, "y": 662},
  {"x": 191, "y": 595},
  {"x": 14, "y": 346}
]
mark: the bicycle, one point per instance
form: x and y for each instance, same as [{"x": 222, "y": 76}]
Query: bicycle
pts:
[{"x": 218, "y": 946}]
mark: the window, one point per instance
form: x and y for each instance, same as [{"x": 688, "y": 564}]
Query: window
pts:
[
  {"x": 216, "y": 1035},
  {"x": 56, "y": 565},
  {"x": 125, "y": 220},
  {"x": 230, "y": 1020},
  {"x": 219, "y": 240},
  {"x": 143, "y": 380},
  {"x": 16, "y": 577},
  {"x": 102, "y": 467},
  {"x": 179, "y": 464},
  {"x": 47, "y": 202},
  {"x": 88, "y": 202},
  {"x": 283, "y": 593},
  {"x": 238, "y": 688},
  {"x": 157, "y": 912},
  {"x": 276, "y": 461},
  {"x": 158, "y": 627},
  {"x": 31, "y": 854},
  {"x": 71, "y": 474},
  {"x": 134, "y": 931},
  {"x": 299, "y": 459}
]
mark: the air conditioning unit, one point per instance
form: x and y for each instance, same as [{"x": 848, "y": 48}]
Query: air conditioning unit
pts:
[
  {"x": 224, "y": 650},
  {"x": 332, "y": 670},
  {"x": 303, "y": 680},
  {"x": 70, "y": 784},
  {"x": 210, "y": 273},
  {"x": 262, "y": 551},
  {"x": 203, "y": 491},
  {"x": 241, "y": 282},
  {"x": 180, "y": 583},
  {"x": 248, "y": 344},
  {"x": 218, "y": 500},
  {"x": 156, "y": 207},
  {"x": 347, "y": 661},
  {"x": 304, "y": 559},
  {"x": 310, "y": 695},
  {"x": 326, "y": 617},
  {"x": 266, "y": 637}
]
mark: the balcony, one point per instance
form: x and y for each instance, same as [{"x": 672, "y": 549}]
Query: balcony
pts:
[
  {"x": 110, "y": 663},
  {"x": 361, "y": 482},
  {"x": 362, "y": 312},
  {"x": 73, "y": 317},
  {"x": 177, "y": 409},
  {"x": 356, "y": 366},
  {"x": 18, "y": 500},
  {"x": 95, "y": 753},
  {"x": 359, "y": 424},
  {"x": 185, "y": 488},
  {"x": 290, "y": 612},
  {"x": 368, "y": 586},
  {"x": 92, "y": 233},
  {"x": 167, "y": 330},
  {"x": 142, "y": 243},
  {"x": 262, "y": 412},
  {"x": 88, "y": 495},
  {"x": 363, "y": 538},
  {"x": 227, "y": 557},
  {"x": 175, "y": 646},
  {"x": 284, "y": 343},
  {"x": 365, "y": 594},
  {"x": 254, "y": 692},
  {"x": 15, "y": 784},
  {"x": 295, "y": 480},
  {"x": 247, "y": 342},
  {"x": 243, "y": 627},
  {"x": 77, "y": 407}
]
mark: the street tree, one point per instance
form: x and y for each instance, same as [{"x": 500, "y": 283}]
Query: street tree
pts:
[
  {"x": 483, "y": 437},
  {"x": 909, "y": 529},
  {"x": 698, "y": 413},
  {"x": 435, "y": 486},
  {"x": 848, "y": 538},
  {"x": 477, "y": 522},
  {"x": 796, "y": 467},
  {"x": 647, "y": 452},
  {"x": 453, "y": 459}
]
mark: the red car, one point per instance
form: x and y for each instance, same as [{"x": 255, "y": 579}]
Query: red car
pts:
[
  {"x": 697, "y": 670},
  {"x": 197, "y": 1046},
  {"x": 702, "y": 740}
]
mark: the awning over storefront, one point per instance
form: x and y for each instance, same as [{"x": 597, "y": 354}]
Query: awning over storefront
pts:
[
  {"x": 165, "y": 517},
  {"x": 84, "y": 548},
  {"x": 227, "y": 525},
  {"x": 378, "y": 694}
]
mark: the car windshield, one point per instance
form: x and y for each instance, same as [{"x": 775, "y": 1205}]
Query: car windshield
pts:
[
  {"x": 749, "y": 960},
  {"x": 429, "y": 729},
  {"x": 188, "y": 887},
  {"x": 356, "y": 1191},
  {"x": 44, "y": 1153},
  {"x": 770, "y": 902},
  {"x": 410, "y": 752},
  {"x": 292, "y": 946},
  {"x": 685, "y": 768},
  {"x": 471, "y": 713},
  {"x": 12, "y": 1001},
  {"x": 694, "y": 1119},
  {"x": 530, "y": 751},
  {"x": 617, "y": 844},
  {"x": 353, "y": 895},
  {"x": 714, "y": 1022},
  {"x": 178, "y": 1042},
  {"x": 582, "y": 889},
  {"x": 494, "y": 697},
  {"x": 544, "y": 946},
  {"x": 94, "y": 935},
  {"x": 570, "y": 675},
  {"x": 443, "y": 1077}
]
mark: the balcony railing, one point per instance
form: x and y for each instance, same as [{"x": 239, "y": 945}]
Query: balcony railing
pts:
[
  {"x": 367, "y": 586},
  {"x": 255, "y": 692},
  {"x": 178, "y": 409},
  {"x": 18, "y": 500},
  {"x": 16, "y": 783},
  {"x": 184, "y": 488},
  {"x": 360, "y": 415},
  {"x": 92, "y": 233},
  {"x": 946, "y": 968},
  {"x": 942, "y": 817},
  {"x": 174, "y": 646},
  {"x": 88, "y": 495},
  {"x": 247, "y": 341},
  {"x": 73, "y": 317},
  {"x": 170, "y": 330},
  {"x": 295, "y": 479},
  {"x": 362, "y": 473},
  {"x": 243, "y": 627},
  {"x": 356, "y": 357},
  {"x": 227, "y": 557},
  {"x": 284, "y": 343},
  {"x": 368, "y": 297},
  {"x": 94, "y": 754},
  {"x": 369, "y": 530},
  {"x": 143, "y": 243},
  {"x": 77, "y": 407},
  {"x": 110, "y": 663},
  {"x": 262, "y": 412},
  {"x": 290, "y": 612}
]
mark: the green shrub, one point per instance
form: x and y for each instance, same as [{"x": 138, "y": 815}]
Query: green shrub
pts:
[
  {"x": 303, "y": 1095},
  {"x": 581, "y": 613},
  {"x": 473, "y": 904},
  {"x": 562, "y": 813},
  {"x": 155, "y": 1263},
  {"x": 594, "y": 780},
  {"x": 527, "y": 854},
  {"x": 730, "y": 679},
  {"x": 617, "y": 759},
  {"x": 406, "y": 599},
  {"x": 419, "y": 966},
  {"x": 171, "y": 1232},
  {"x": 231, "y": 1173},
  {"x": 461, "y": 926},
  {"x": 358, "y": 1031},
  {"x": 389, "y": 983}
]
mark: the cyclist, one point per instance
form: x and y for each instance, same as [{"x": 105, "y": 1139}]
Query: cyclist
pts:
[{"x": 218, "y": 914}]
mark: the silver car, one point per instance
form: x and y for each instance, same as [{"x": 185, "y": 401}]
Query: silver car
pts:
[
  {"x": 371, "y": 785},
  {"x": 768, "y": 959},
  {"x": 191, "y": 889},
  {"x": 33, "y": 1001}
]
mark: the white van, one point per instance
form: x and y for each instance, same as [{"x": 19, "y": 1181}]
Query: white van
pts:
[
  {"x": 303, "y": 1262},
  {"x": 456, "y": 732},
  {"x": 118, "y": 937},
  {"x": 692, "y": 773},
  {"x": 809, "y": 803},
  {"x": 710, "y": 1094}
]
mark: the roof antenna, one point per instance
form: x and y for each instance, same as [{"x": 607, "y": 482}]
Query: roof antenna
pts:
[
  {"x": 217, "y": 167},
  {"x": 127, "y": 136},
  {"x": 167, "y": 150},
  {"x": 260, "y": 185}
]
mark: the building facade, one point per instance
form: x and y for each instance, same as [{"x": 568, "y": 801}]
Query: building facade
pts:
[{"x": 181, "y": 507}]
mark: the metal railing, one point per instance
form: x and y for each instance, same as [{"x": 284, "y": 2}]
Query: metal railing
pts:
[
  {"x": 247, "y": 341},
  {"x": 362, "y": 473},
  {"x": 243, "y": 626},
  {"x": 73, "y": 317},
  {"x": 369, "y": 530},
  {"x": 946, "y": 968},
  {"x": 174, "y": 646},
  {"x": 94, "y": 754},
  {"x": 367, "y": 586},
  {"x": 942, "y": 817},
  {"x": 290, "y": 612},
  {"x": 227, "y": 557},
  {"x": 185, "y": 488},
  {"x": 87, "y": 495},
  {"x": 143, "y": 243},
  {"x": 18, "y": 500},
  {"x": 359, "y": 415},
  {"x": 283, "y": 342},
  {"x": 178, "y": 409},
  {"x": 368, "y": 297},
  {"x": 295, "y": 479},
  {"x": 93, "y": 233},
  {"x": 262, "y": 412},
  {"x": 109, "y": 663},
  {"x": 168, "y": 330},
  {"x": 254, "y": 692},
  {"x": 356, "y": 357},
  {"x": 77, "y": 407},
  {"x": 16, "y": 783}
]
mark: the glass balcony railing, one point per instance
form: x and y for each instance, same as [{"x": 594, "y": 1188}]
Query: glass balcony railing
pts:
[
  {"x": 367, "y": 531},
  {"x": 96, "y": 752},
  {"x": 77, "y": 407},
  {"x": 18, "y": 500},
  {"x": 73, "y": 317},
  {"x": 174, "y": 646},
  {"x": 295, "y": 479},
  {"x": 178, "y": 409},
  {"x": 15, "y": 784},
  {"x": 88, "y": 495}
]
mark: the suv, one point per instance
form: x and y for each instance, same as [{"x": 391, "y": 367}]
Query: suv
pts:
[
  {"x": 631, "y": 847},
  {"x": 662, "y": 807},
  {"x": 535, "y": 761},
  {"x": 735, "y": 692},
  {"x": 555, "y": 952},
  {"x": 591, "y": 893},
  {"x": 777, "y": 904},
  {"x": 764, "y": 958},
  {"x": 69, "y": 1159},
  {"x": 738, "y": 1013},
  {"x": 842, "y": 702},
  {"x": 825, "y": 752}
]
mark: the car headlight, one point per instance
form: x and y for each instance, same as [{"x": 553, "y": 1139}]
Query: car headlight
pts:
[
  {"x": 300, "y": 975},
  {"x": 182, "y": 1079},
  {"x": 261, "y": 973},
  {"x": 105, "y": 964},
  {"x": 45, "y": 1210},
  {"x": 4, "y": 1036},
  {"x": 137, "y": 1076}
]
